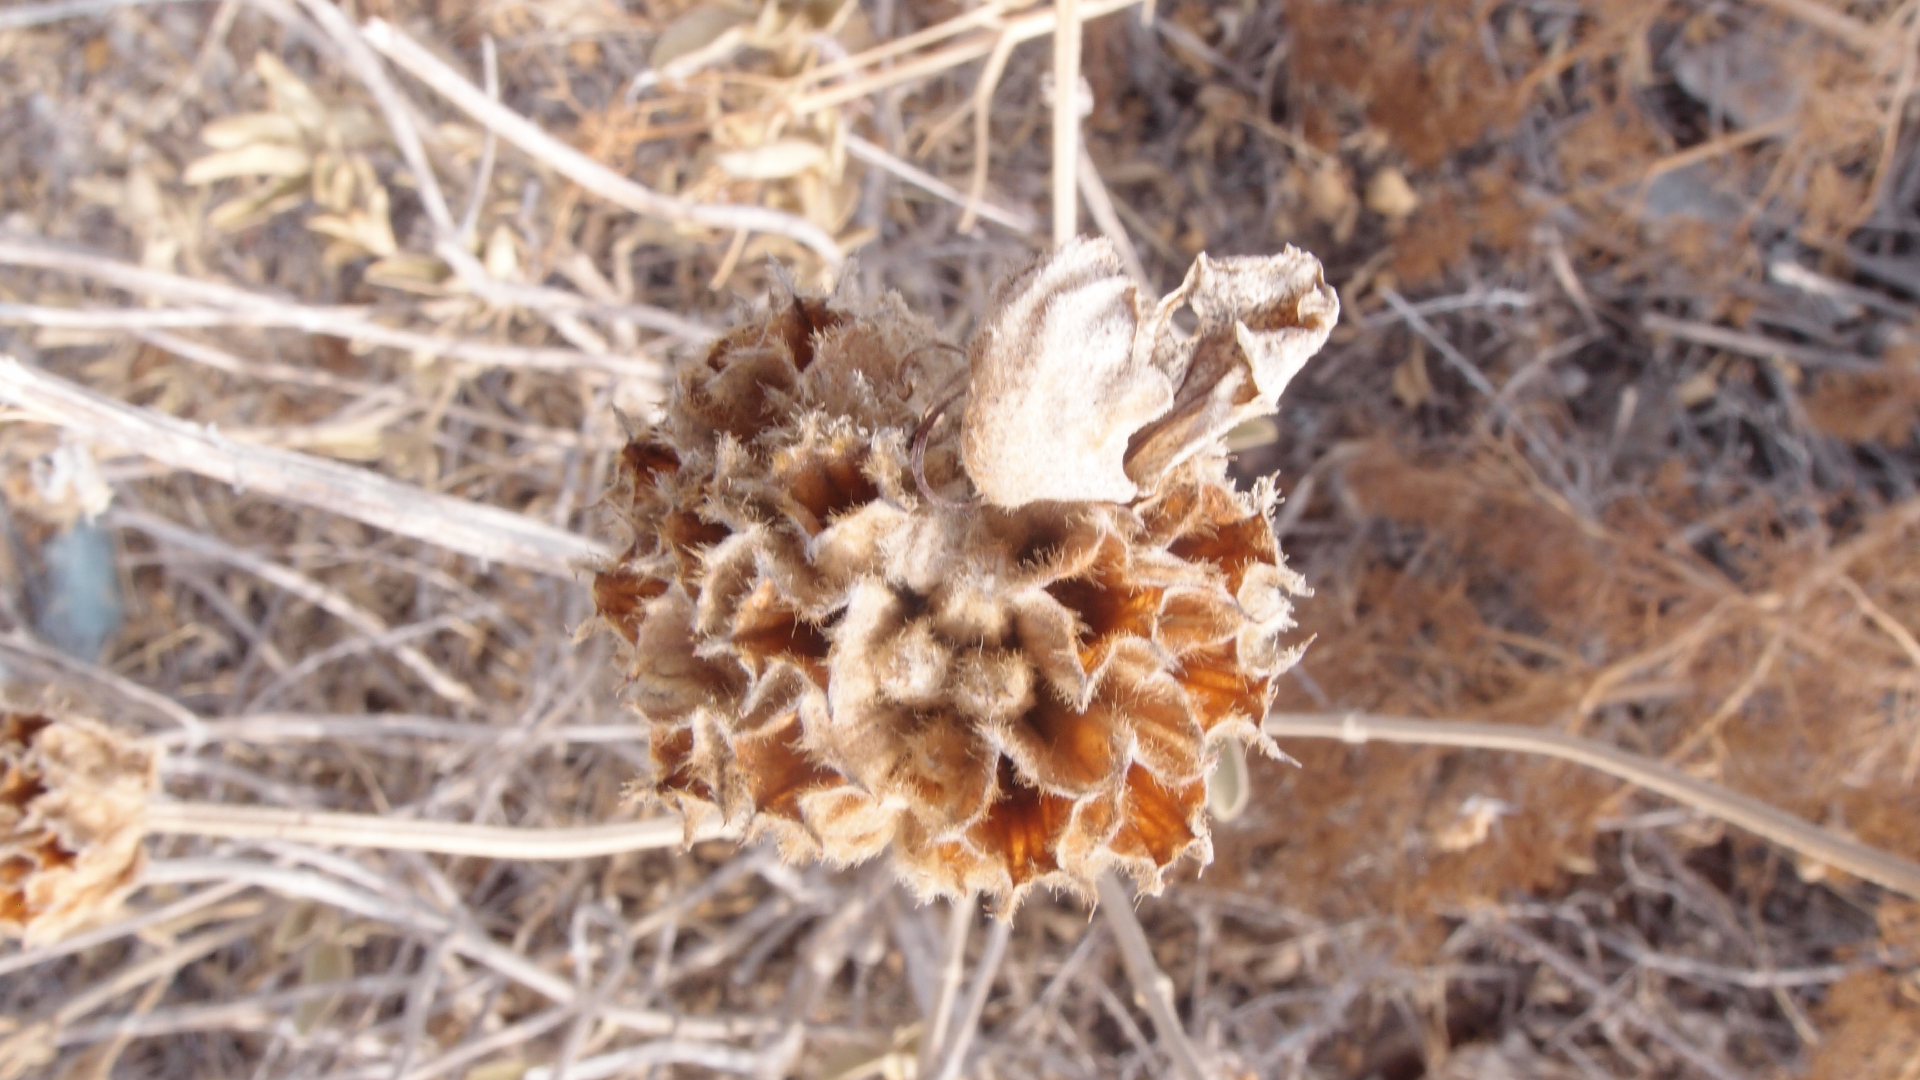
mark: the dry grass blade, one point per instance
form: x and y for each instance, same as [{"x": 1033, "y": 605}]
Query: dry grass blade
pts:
[
  {"x": 1753, "y": 815},
  {"x": 410, "y": 57},
  {"x": 484, "y": 532},
  {"x": 1837, "y": 23}
]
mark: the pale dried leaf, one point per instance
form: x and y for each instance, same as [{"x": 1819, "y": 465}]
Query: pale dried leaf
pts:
[
  {"x": 502, "y": 254},
  {"x": 255, "y": 159},
  {"x": 1261, "y": 319},
  {"x": 251, "y": 209},
  {"x": 1058, "y": 385},
  {"x": 777, "y": 160},
  {"x": 699, "y": 31},
  {"x": 233, "y": 132},
  {"x": 1390, "y": 196},
  {"x": 291, "y": 97}
]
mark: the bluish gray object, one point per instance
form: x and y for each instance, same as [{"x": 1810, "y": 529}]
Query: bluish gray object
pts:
[{"x": 77, "y": 605}]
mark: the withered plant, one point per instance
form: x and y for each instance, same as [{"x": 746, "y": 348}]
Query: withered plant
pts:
[{"x": 996, "y": 607}]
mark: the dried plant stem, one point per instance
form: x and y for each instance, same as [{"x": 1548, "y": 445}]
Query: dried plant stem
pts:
[
  {"x": 302, "y": 586},
  {"x": 1635, "y": 1013},
  {"x": 57, "y": 666},
  {"x": 1015, "y": 30},
  {"x": 953, "y": 967},
  {"x": 954, "y": 1054},
  {"x": 485, "y": 532},
  {"x": 473, "y": 944},
  {"x": 434, "y": 837},
  {"x": 225, "y": 305},
  {"x": 415, "y": 60},
  {"x": 179, "y": 909},
  {"x": 1842, "y": 26},
  {"x": 1066, "y": 119},
  {"x": 1153, "y": 986},
  {"x": 1868, "y": 863},
  {"x": 1100, "y": 207},
  {"x": 1755, "y": 345},
  {"x": 26, "y": 15},
  {"x": 1012, "y": 217}
]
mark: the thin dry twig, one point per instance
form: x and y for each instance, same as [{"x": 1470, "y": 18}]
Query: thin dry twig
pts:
[
  {"x": 1154, "y": 988},
  {"x": 226, "y": 305},
  {"x": 1015, "y": 218},
  {"x": 1066, "y": 119},
  {"x": 954, "y": 1054},
  {"x": 94, "y": 678},
  {"x": 435, "y": 837},
  {"x": 1652, "y": 1024},
  {"x": 1754, "y": 345},
  {"x": 1828, "y": 20},
  {"x": 471, "y": 943},
  {"x": 301, "y": 586},
  {"x": 1871, "y": 864},
  {"x": 991, "y": 21},
  {"x": 415, "y": 60},
  {"x": 179, "y": 909},
  {"x": 29, "y": 15},
  {"x": 485, "y": 532},
  {"x": 953, "y": 968}
]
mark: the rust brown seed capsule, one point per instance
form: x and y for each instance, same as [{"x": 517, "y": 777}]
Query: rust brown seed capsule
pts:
[
  {"x": 72, "y": 814},
  {"x": 1013, "y": 668}
]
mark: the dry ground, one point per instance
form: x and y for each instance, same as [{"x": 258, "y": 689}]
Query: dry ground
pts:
[{"x": 1617, "y": 437}]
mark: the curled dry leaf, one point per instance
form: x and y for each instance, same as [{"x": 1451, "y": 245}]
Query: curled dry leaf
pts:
[
  {"x": 1080, "y": 389},
  {"x": 73, "y": 800},
  {"x": 1062, "y": 377},
  {"x": 833, "y": 647}
]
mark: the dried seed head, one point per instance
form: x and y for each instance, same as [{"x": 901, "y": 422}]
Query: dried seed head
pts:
[
  {"x": 73, "y": 800},
  {"x": 1006, "y": 641}
]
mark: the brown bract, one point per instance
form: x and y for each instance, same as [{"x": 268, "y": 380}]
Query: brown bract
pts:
[
  {"x": 72, "y": 813},
  {"x": 1017, "y": 668}
]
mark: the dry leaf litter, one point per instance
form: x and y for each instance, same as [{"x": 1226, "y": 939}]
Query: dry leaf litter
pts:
[{"x": 1676, "y": 239}]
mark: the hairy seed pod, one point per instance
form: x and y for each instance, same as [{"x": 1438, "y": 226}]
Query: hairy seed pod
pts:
[
  {"x": 995, "y": 609},
  {"x": 73, "y": 800}
]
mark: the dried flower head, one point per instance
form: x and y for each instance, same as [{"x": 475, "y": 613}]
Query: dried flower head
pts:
[
  {"x": 1006, "y": 639},
  {"x": 73, "y": 800}
]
